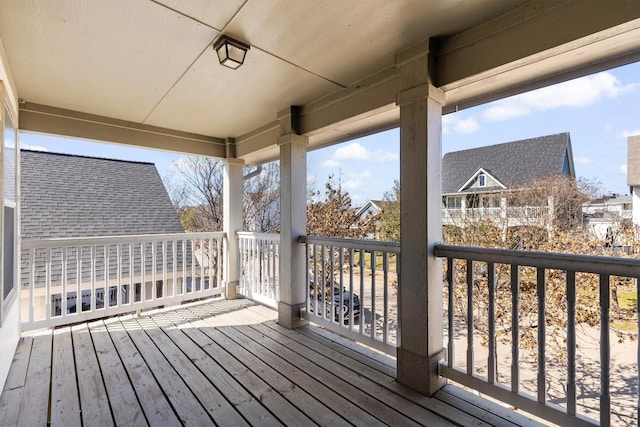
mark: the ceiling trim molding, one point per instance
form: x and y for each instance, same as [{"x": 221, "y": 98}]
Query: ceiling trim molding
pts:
[{"x": 68, "y": 123}]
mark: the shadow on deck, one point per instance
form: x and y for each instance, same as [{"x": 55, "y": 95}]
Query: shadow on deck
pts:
[{"x": 218, "y": 363}]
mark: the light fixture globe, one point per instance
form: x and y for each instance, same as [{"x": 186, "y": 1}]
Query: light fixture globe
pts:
[{"x": 230, "y": 52}]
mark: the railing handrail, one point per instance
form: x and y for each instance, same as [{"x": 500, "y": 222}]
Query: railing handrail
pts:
[
  {"x": 558, "y": 261},
  {"x": 254, "y": 235},
  {"x": 106, "y": 240},
  {"x": 366, "y": 244}
]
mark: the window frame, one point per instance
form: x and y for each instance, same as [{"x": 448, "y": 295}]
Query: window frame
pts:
[{"x": 9, "y": 116}]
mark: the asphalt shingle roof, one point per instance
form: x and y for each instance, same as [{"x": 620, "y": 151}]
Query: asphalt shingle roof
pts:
[
  {"x": 75, "y": 196},
  {"x": 512, "y": 163}
]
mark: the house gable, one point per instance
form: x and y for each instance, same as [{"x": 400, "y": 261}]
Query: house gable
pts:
[{"x": 481, "y": 180}]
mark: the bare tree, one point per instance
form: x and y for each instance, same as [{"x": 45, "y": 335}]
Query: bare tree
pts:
[
  {"x": 261, "y": 211},
  {"x": 196, "y": 190}
]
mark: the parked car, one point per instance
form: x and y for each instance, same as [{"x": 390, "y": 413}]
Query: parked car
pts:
[{"x": 342, "y": 299}]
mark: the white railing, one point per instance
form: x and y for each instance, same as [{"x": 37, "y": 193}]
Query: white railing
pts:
[
  {"x": 260, "y": 266},
  {"x": 353, "y": 288},
  {"x": 479, "y": 274},
  {"x": 77, "y": 279},
  {"x": 512, "y": 215}
]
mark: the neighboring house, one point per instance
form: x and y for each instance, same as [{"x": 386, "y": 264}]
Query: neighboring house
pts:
[
  {"x": 69, "y": 196},
  {"x": 476, "y": 183},
  {"x": 606, "y": 215},
  {"x": 372, "y": 207},
  {"x": 633, "y": 175}
]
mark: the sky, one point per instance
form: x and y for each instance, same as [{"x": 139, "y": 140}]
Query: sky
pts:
[{"x": 599, "y": 111}]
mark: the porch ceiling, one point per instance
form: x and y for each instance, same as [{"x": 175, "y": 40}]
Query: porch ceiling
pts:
[{"x": 113, "y": 70}]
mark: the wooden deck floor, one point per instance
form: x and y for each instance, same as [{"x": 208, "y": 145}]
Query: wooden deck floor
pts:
[{"x": 217, "y": 363}]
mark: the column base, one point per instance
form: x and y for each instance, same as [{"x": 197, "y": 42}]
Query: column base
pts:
[
  {"x": 420, "y": 372},
  {"x": 231, "y": 290},
  {"x": 289, "y": 315}
]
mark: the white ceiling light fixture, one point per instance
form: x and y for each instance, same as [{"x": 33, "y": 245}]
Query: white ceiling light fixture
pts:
[{"x": 230, "y": 51}]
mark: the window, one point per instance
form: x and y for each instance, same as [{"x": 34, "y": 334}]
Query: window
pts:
[
  {"x": 454, "y": 202},
  {"x": 482, "y": 180}
]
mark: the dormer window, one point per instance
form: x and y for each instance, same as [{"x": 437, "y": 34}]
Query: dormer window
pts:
[{"x": 482, "y": 181}]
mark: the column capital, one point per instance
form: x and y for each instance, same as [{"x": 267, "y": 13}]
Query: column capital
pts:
[
  {"x": 292, "y": 138},
  {"x": 420, "y": 93},
  {"x": 234, "y": 161}
]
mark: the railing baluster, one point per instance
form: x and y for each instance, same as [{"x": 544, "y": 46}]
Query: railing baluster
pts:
[
  {"x": 48, "y": 292},
  {"x": 341, "y": 276},
  {"x": 515, "y": 328},
  {"x": 542, "y": 335},
  {"x": 450, "y": 314},
  {"x": 164, "y": 268},
  {"x": 332, "y": 304},
  {"x": 470, "y": 274},
  {"x": 119, "y": 255},
  {"x": 385, "y": 269},
  {"x": 571, "y": 342},
  {"x": 362, "y": 300},
  {"x": 174, "y": 267},
  {"x": 79, "y": 283},
  {"x": 92, "y": 297},
  {"x": 63, "y": 301},
  {"x": 143, "y": 272},
  {"x": 106, "y": 298},
  {"x": 352, "y": 317},
  {"x": 374, "y": 323},
  {"x": 491, "y": 282},
  {"x": 605, "y": 360}
]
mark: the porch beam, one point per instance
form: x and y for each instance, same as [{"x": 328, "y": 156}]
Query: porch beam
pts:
[
  {"x": 500, "y": 58},
  {"x": 420, "y": 287},
  {"x": 58, "y": 121},
  {"x": 232, "y": 220},
  {"x": 293, "y": 219}
]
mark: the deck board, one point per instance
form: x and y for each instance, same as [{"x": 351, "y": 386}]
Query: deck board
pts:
[
  {"x": 94, "y": 402},
  {"x": 122, "y": 396},
  {"x": 65, "y": 404},
  {"x": 11, "y": 397},
  {"x": 152, "y": 402},
  {"x": 218, "y": 363}
]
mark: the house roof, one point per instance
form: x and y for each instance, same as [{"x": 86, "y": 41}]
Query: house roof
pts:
[
  {"x": 75, "y": 196},
  {"x": 511, "y": 163}
]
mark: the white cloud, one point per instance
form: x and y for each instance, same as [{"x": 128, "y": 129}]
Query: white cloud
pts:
[
  {"x": 331, "y": 164},
  {"x": 356, "y": 152},
  {"x": 582, "y": 160},
  {"x": 453, "y": 124},
  {"x": 623, "y": 168},
  {"x": 628, "y": 133},
  {"x": 467, "y": 126},
  {"x": 575, "y": 93},
  {"x": 357, "y": 180},
  {"x": 353, "y": 151}
]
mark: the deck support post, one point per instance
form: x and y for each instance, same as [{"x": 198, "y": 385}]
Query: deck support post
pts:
[
  {"x": 232, "y": 222},
  {"x": 293, "y": 219},
  {"x": 420, "y": 285}
]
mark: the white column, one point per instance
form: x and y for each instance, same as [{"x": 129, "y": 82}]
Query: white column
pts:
[
  {"x": 420, "y": 287},
  {"x": 232, "y": 222},
  {"x": 293, "y": 224},
  {"x": 635, "y": 194}
]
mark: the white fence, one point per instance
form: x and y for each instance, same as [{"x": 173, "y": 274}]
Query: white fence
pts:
[
  {"x": 73, "y": 280},
  {"x": 260, "y": 267},
  {"x": 353, "y": 288}
]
